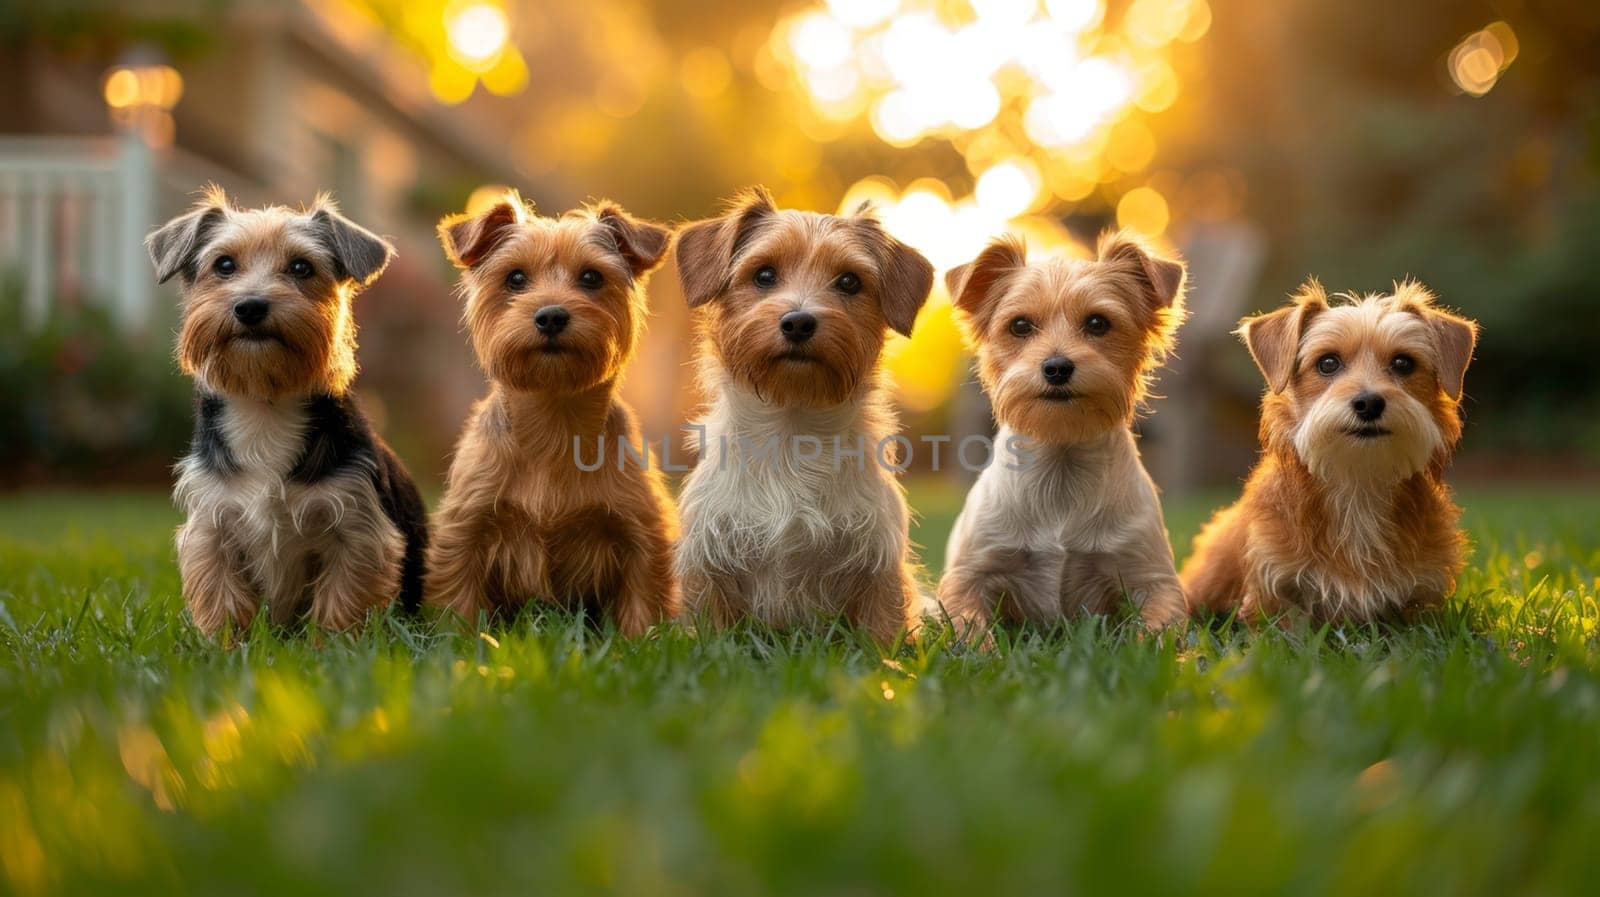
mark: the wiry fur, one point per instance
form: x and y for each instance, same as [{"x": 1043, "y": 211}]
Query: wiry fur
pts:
[
  {"x": 289, "y": 497},
  {"x": 1074, "y": 525},
  {"x": 521, "y": 520},
  {"x": 800, "y": 531},
  {"x": 1342, "y": 526}
]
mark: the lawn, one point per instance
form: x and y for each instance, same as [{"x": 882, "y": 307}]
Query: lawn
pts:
[{"x": 1456, "y": 757}]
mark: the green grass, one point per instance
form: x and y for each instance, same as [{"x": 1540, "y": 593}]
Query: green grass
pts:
[{"x": 1455, "y": 757}]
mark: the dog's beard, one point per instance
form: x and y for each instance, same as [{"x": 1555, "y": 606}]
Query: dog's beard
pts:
[
  {"x": 1339, "y": 448},
  {"x": 798, "y": 380},
  {"x": 821, "y": 373},
  {"x": 270, "y": 363},
  {"x": 1081, "y": 411},
  {"x": 530, "y": 363}
]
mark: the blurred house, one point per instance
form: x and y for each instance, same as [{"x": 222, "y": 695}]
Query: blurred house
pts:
[{"x": 284, "y": 100}]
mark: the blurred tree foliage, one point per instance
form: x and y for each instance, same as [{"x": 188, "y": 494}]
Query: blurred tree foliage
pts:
[
  {"x": 1365, "y": 164},
  {"x": 101, "y": 28}
]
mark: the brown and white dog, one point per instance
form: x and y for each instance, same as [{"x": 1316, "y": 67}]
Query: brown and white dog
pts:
[
  {"x": 290, "y": 499},
  {"x": 794, "y": 511},
  {"x": 555, "y": 308},
  {"x": 1346, "y": 517},
  {"x": 1066, "y": 348}
]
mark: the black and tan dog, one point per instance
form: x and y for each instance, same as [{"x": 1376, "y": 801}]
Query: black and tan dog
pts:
[{"x": 291, "y": 500}]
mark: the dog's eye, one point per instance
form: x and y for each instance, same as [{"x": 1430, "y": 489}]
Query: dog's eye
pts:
[
  {"x": 847, "y": 283},
  {"x": 517, "y": 279},
  {"x": 1096, "y": 325},
  {"x": 225, "y": 266},
  {"x": 301, "y": 269},
  {"x": 591, "y": 279},
  {"x": 767, "y": 277},
  {"x": 1403, "y": 364},
  {"x": 1022, "y": 327},
  {"x": 1329, "y": 364}
]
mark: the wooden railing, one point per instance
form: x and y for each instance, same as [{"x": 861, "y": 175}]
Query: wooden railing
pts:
[{"x": 74, "y": 212}]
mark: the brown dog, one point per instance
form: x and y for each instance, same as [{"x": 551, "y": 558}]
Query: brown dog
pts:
[
  {"x": 555, "y": 307},
  {"x": 291, "y": 500},
  {"x": 1347, "y": 516},
  {"x": 794, "y": 511},
  {"x": 1066, "y": 348}
]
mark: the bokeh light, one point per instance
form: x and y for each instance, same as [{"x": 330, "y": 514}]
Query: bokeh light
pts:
[
  {"x": 1145, "y": 210},
  {"x": 478, "y": 33},
  {"x": 461, "y": 43},
  {"x": 141, "y": 98},
  {"x": 1009, "y": 188},
  {"x": 1049, "y": 105},
  {"x": 1477, "y": 63}
]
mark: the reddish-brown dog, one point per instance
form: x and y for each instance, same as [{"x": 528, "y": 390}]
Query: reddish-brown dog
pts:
[
  {"x": 555, "y": 307},
  {"x": 1347, "y": 516},
  {"x": 794, "y": 512}
]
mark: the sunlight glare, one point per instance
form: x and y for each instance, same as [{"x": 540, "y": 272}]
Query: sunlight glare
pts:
[
  {"x": 820, "y": 41},
  {"x": 862, "y": 13},
  {"x": 1075, "y": 15},
  {"x": 1047, "y": 103},
  {"x": 892, "y": 118},
  {"x": 1009, "y": 188},
  {"x": 478, "y": 33}
]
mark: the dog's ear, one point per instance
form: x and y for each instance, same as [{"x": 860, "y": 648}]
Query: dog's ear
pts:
[
  {"x": 706, "y": 249},
  {"x": 973, "y": 285},
  {"x": 1456, "y": 338},
  {"x": 641, "y": 243},
  {"x": 906, "y": 281},
  {"x": 1274, "y": 339},
  {"x": 905, "y": 276},
  {"x": 467, "y": 238},
  {"x": 360, "y": 254},
  {"x": 175, "y": 246},
  {"x": 1164, "y": 276}
]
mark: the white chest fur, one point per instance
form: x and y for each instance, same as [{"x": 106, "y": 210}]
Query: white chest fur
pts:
[
  {"x": 1091, "y": 498},
  {"x": 1066, "y": 528},
  {"x": 263, "y": 441},
  {"x": 276, "y": 526},
  {"x": 787, "y": 503}
]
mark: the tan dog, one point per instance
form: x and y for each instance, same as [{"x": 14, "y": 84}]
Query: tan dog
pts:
[
  {"x": 555, "y": 307},
  {"x": 1347, "y": 516},
  {"x": 291, "y": 500},
  {"x": 1065, "y": 351},
  {"x": 794, "y": 511}
]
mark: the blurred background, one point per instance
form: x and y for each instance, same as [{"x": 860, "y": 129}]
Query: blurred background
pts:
[{"x": 1457, "y": 141}]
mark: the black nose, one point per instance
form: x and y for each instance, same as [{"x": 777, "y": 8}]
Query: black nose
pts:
[
  {"x": 251, "y": 312},
  {"x": 551, "y": 320},
  {"x": 1057, "y": 370},
  {"x": 1368, "y": 406},
  {"x": 798, "y": 326}
]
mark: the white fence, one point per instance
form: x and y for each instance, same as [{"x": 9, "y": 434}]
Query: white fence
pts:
[{"x": 74, "y": 212}]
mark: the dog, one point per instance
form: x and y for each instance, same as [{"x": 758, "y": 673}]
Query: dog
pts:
[
  {"x": 289, "y": 497},
  {"x": 1346, "y": 517},
  {"x": 793, "y": 512},
  {"x": 1066, "y": 348},
  {"x": 555, "y": 308}
]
